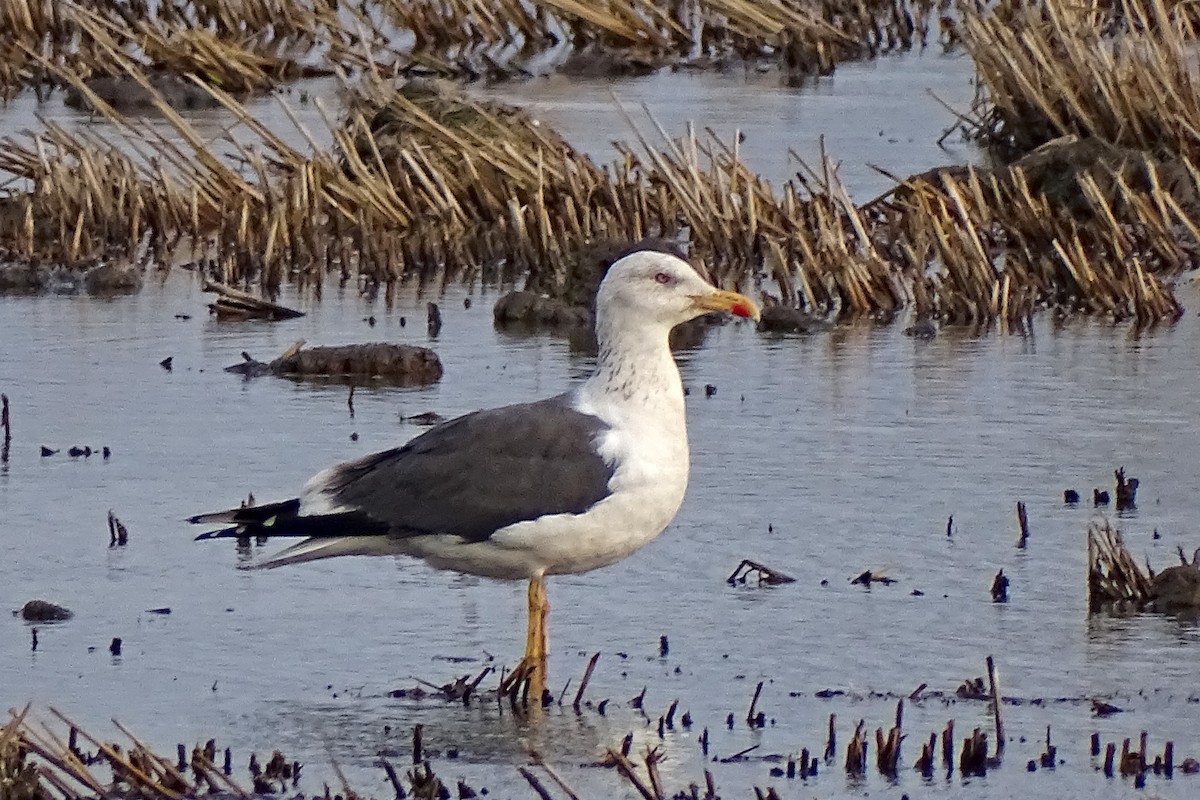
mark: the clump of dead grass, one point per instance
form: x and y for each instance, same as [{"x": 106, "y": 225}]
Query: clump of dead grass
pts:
[
  {"x": 240, "y": 45},
  {"x": 1115, "y": 580},
  {"x": 249, "y": 44},
  {"x": 1124, "y": 73},
  {"x": 1005, "y": 244}
]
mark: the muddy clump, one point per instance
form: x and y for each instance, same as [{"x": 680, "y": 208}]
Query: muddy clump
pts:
[
  {"x": 1056, "y": 169},
  {"x": 112, "y": 278},
  {"x": 20, "y": 278},
  {"x": 43, "y": 611},
  {"x": 1177, "y": 588},
  {"x": 128, "y": 96},
  {"x": 602, "y": 62},
  {"x": 777, "y": 318},
  {"x": 535, "y": 310},
  {"x": 1057, "y": 172},
  {"x": 31, "y": 276},
  {"x": 406, "y": 365}
]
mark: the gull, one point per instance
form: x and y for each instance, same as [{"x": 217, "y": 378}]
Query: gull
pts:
[{"x": 559, "y": 486}]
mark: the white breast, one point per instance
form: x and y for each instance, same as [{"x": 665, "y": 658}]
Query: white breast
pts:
[{"x": 647, "y": 490}]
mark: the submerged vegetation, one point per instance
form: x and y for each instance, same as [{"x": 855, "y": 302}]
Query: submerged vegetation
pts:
[{"x": 1091, "y": 112}]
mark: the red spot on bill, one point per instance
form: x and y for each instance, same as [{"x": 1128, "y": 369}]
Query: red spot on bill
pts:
[{"x": 740, "y": 310}]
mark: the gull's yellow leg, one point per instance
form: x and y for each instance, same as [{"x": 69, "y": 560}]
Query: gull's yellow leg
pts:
[
  {"x": 539, "y": 641},
  {"x": 531, "y": 671}
]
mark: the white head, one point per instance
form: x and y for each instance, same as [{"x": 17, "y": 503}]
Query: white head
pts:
[{"x": 657, "y": 290}]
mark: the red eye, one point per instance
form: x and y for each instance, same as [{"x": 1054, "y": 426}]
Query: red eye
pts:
[{"x": 663, "y": 278}]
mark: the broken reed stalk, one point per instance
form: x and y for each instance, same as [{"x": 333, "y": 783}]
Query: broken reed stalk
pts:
[
  {"x": 653, "y": 756},
  {"x": 995, "y": 691},
  {"x": 887, "y": 750},
  {"x": 924, "y": 763},
  {"x": 233, "y": 303},
  {"x": 856, "y": 752},
  {"x": 1050, "y": 755},
  {"x": 7, "y": 425},
  {"x": 626, "y": 769},
  {"x": 670, "y": 718},
  {"x": 535, "y": 784},
  {"x": 1023, "y": 525},
  {"x": 766, "y": 575},
  {"x": 751, "y": 717},
  {"x": 974, "y": 757},
  {"x": 558, "y": 779},
  {"x": 583, "y": 684},
  {"x": 418, "y": 751},
  {"x": 393, "y": 778},
  {"x": 1000, "y": 585}
]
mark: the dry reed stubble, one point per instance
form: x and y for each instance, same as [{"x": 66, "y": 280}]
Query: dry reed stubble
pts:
[
  {"x": 248, "y": 44},
  {"x": 426, "y": 182},
  {"x": 1126, "y": 76}
]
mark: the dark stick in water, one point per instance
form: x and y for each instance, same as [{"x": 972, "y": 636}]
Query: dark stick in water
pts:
[
  {"x": 7, "y": 425},
  {"x": 991, "y": 671}
]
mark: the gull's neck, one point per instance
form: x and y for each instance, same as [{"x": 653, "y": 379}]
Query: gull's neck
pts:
[{"x": 636, "y": 376}]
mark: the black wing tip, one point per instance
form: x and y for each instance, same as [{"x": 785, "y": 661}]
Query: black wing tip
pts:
[
  {"x": 321, "y": 526},
  {"x": 224, "y": 533},
  {"x": 249, "y": 513}
]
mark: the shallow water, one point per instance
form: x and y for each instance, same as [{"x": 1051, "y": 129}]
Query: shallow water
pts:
[
  {"x": 875, "y": 113},
  {"x": 821, "y": 456}
]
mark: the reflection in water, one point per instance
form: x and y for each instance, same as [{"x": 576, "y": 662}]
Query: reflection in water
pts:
[
  {"x": 1110, "y": 633},
  {"x": 363, "y": 729}
]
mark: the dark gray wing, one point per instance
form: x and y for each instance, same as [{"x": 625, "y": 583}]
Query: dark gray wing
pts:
[{"x": 478, "y": 473}]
